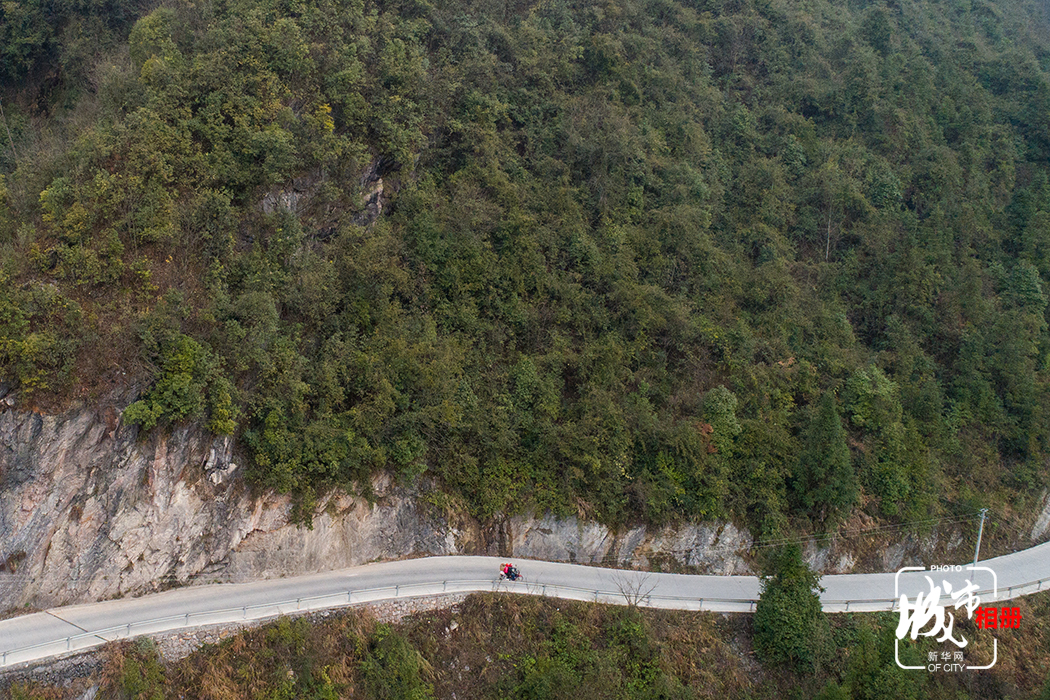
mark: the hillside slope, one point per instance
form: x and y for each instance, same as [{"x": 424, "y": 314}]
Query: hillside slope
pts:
[
  {"x": 635, "y": 260},
  {"x": 503, "y": 646}
]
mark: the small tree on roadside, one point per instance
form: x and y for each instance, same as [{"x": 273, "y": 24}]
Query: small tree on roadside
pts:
[
  {"x": 789, "y": 625},
  {"x": 634, "y": 587}
]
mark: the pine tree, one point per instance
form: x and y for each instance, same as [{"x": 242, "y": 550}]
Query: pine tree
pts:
[
  {"x": 789, "y": 625},
  {"x": 823, "y": 482}
]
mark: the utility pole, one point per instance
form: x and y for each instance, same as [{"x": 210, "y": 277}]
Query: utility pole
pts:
[{"x": 977, "y": 549}]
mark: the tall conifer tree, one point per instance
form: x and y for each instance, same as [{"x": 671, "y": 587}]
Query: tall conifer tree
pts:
[{"x": 823, "y": 482}]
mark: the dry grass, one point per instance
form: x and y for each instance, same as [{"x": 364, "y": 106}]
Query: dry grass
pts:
[
  {"x": 495, "y": 634},
  {"x": 36, "y": 691},
  {"x": 253, "y": 663}
]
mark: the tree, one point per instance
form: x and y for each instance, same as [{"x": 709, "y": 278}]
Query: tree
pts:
[
  {"x": 635, "y": 588},
  {"x": 720, "y": 412},
  {"x": 823, "y": 481},
  {"x": 789, "y": 624},
  {"x": 393, "y": 669}
]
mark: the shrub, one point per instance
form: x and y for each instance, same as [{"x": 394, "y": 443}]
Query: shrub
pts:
[
  {"x": 789, "y": 625},
  {"x": 393, "y": 669}
]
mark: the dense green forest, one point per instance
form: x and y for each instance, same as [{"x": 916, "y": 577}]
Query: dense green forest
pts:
[
  {"x": 523, "y": 648},
  {"x": 636, "y": 259}
]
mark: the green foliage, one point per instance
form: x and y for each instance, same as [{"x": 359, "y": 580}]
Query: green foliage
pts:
[
  {"x": 188, "y": 384},
  {"x": 895, "y": 471},
  {"x": 833, "y": 691},
  {"x": 823, "y": 482},
  {"x": 622, "y": 661},
  {"x": 178, "y": 393},
  {"x": 393, "y": 669},
  {"x": 720, "y": 412},
  {"x": 38, "y": 36},
  {"x": 624, "y": 251},
  {"x": 142, "y": 674},
  {"x": 789, "y": 626},
  {"x": 1045, "y": 694},
  {"x": 33, "y": 349},
  {"x": 873, "y": 400},
  {"x": 151, "y": 36}
]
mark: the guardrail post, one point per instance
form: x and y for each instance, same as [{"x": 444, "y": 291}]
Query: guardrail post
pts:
[
  {"x": 297, "y": 602},
  {"x": 701, "y": 603},
  {"x": 397, "y": 591},
  {"x": 129, "y": 629},
  {"x": 245, "y": 612},
  {"x": 5, "y": 659},
  {"x": 348, "y": 595},
  {"x": 443, "y": 584},
  {"x": 544, "y": 589},
  {"x": 69, "y": 642},
  {"x": 187, "y": 619},
  {"x": 752, "y": 603},
  {"x": 847, "y": 606}
]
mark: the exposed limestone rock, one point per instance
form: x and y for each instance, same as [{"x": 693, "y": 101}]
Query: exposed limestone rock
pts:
[
  {"x": 347, "y": 532},
  {"x": 323, "y": 216},
  {"x": 715, "y": 548},
  {"x": 89, "y": 510},
  {"x": 282, "y": 200},
  {"x": 893, "y": 557},
  {"x": 372, "y": 194},
  {"x": 88, "y": 513},
  {"x": 816, "y": 557},
  {"x": 1042, "y": 523},
  {"x": 842, "y": 556},
  {"x": 558, "y": 540}
]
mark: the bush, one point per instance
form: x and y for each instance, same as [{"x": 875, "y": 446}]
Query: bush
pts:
[
  {"x": 141, "y": 675},
  {"x": 790, "y": 627},
  {"x": 179, "y": 392},
  {"x": 393, "y": 669}
]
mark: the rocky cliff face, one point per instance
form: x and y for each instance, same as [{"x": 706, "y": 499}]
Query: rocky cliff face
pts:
[{"x": 90, "y": 509}]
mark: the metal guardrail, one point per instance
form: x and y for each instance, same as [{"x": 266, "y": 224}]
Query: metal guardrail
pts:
[
  {"x": 227, "y": 613},
  {"x": 986, "y": 593},
  {"x": 365, "y": 595},
  {"x": 261, "y": 611}
]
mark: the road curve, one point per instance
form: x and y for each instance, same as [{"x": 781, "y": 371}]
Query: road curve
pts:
[{"x": 77, "y": 627}]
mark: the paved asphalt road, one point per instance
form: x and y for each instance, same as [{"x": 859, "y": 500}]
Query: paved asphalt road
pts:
[{"x": 45, "y": 634}]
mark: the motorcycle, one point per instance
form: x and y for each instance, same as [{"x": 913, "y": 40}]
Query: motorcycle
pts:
[{"x": 509, "y": 572}]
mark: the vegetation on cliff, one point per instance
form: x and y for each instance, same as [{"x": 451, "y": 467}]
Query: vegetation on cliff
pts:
[{"x": 648, "y": 259}]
